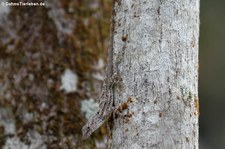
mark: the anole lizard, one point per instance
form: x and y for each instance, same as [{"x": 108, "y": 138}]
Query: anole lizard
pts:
[{"x": 106, "y": 106}]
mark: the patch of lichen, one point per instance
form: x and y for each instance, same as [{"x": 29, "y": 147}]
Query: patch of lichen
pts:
[{"x": 37, "y": 55}]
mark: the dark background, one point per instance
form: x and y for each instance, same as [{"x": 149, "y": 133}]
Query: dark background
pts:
[{"x": 212, "y": 74}]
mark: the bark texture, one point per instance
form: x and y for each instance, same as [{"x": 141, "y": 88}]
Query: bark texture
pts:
[
  {"x": 51, "y": 69},
  {"x": 155, "y": 51}
]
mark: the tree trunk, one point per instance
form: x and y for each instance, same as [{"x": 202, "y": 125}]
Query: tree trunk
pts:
[
  {"x": 51, "y": 68},
  {"x": 155, "y": 51}
]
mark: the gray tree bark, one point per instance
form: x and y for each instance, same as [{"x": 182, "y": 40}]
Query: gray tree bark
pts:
[{"x": 155, "y": 51}]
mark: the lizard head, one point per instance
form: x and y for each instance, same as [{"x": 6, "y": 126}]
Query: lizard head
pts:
[{"x": 86, "y": 132}]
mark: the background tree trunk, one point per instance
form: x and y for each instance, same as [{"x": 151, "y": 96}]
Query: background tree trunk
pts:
[
  {"x": 51, "y": 68},
  {"x": 156, "y": 54}
]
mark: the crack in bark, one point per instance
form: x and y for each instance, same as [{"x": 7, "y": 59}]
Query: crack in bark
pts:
[{"x": 161, "y": 25}]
